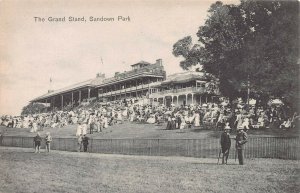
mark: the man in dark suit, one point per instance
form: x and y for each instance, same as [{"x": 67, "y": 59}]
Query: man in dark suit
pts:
[
  {"x": 1, "y": 138},
  {"x": 225, "y": 144},
  {"x": 37, "y": 142},
  {"x": 241, "y": 139},
  {"x": 85, "y": 143}
]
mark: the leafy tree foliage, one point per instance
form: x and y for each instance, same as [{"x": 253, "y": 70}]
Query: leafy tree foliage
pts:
[
  {"x": 188, "y": 51},
  {"x": 254, "y": 42},
  {"x": 33, "y": 108}
]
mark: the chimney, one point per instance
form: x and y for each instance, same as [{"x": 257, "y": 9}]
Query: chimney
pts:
[
  {"x": 100, "y": 75},
  {"x": 159, "y": 62}
]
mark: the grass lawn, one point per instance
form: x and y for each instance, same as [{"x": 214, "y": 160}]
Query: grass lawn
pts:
[
  {"x": 136, "y": 130},
  {"x": 23, "y": 171}
]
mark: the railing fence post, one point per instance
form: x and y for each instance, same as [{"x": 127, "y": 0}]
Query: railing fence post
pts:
[
  {"x": 91, "y": 150},
  {"x": 158, "y": 147},
  {"x": 58, "y": 144}
]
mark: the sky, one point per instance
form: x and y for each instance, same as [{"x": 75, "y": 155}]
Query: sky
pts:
[{"x": 32, "y": 52}]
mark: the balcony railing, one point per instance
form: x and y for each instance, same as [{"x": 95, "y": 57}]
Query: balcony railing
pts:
[
  {"x": 178, "y": 91},
  {"x": 122, "y": 91},
  {"x": 151, "y": 70}
]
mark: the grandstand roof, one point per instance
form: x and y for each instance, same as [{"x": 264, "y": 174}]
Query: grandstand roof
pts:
[
  {"x": 101, "y": 81},
  {"x": 97, "y": 81},
  {"x": 83, "y": 84}
]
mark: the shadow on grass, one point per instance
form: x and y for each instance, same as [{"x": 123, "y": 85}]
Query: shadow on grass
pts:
[
  {"x": 208, "y": 163},
  {"x": 216, "y": 163}
]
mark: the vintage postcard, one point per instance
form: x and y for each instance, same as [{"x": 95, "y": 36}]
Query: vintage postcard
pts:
[{"x": 149, "y": 96}]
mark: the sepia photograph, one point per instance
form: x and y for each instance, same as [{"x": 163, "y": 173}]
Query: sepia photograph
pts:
[{"x": 152, "y": 96}]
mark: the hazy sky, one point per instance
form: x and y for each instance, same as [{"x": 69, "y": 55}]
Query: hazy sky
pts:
[{"x": 69, "y": 52}]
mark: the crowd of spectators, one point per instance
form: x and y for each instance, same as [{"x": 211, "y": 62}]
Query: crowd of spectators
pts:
[{"x": 94, "y": 117}]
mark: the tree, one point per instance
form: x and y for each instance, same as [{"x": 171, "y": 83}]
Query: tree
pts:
[
  {"x": 222, "y": 40},
  {"x": 256, "y": 42},
  {"x": 272, "y": 47},
  {"x": 186, "y": 49},
  {"x": 33, "y": 108}
]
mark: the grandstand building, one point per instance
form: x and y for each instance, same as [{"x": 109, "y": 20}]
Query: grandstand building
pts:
[
  {"x": 185, "y": 88},
  {"x": 145, "y": 81}
]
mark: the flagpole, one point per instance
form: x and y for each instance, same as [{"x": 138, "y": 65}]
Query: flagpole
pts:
[{"x": 50, "y": 85}]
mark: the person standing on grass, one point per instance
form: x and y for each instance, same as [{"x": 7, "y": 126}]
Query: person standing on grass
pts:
[
  {"x": 79, "y": 129},
  {"x": 85, "y": 142},
  {"x": 48, "y": 140},
  {"x": 1, "y": 138},
  {"x": 37, "y": 142},
  {"x": 79, "y": 143},
  {"x": 241, "y": 139},
  {"x": 225, "y": 144}
]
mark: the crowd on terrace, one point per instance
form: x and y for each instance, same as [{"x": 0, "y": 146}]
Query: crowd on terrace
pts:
[{"x": 94, "y": 117}]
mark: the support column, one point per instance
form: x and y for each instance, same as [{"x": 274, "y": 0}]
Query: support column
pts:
[
  {"x": 72, "y": 98},
  {"x": 186, "y": 99},
  {"x": 192, "y": 98},
  {"x": 172, "y": 99},
  {"x": 177, "y": 99},
  {"x": 62, "y": 102},
  {"x": 53, "y": 100},
  {"x": 200, "y": 100},
  {"x": 136, "y": 89},
  {"x": 89, "y": 93},
  {"x": 80, "y": 96}
]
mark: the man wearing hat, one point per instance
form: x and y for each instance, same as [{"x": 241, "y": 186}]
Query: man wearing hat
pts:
[
  {"x": 1, "y": 138},
  {"x": 85, "y": 142},
  {"x": 48, "y": 140},
  {"x": 225, "y": 144},
  {"x": 241, "y": 139},
  {"x": 37, "y": 142}
]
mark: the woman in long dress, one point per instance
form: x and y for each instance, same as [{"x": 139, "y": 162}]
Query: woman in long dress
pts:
[
  {"x": 245, "y": 123},
  {"x": 197, "y": 119},
  {"x": 151, "y": 119},
  {"x": 132, "y": 115},
  {"x": 74, "y": 119},
  {"x": 261, "y": 121},
  {"x": 26, "y": 122},
  {"x": 206, "y": 116},
  {"x": 239, "y": 121},
  {"x": 173, "y": 124},
  {"x": 169, "y": 124},
  {"x": 105, "y": 122},
  {"x": 183, "y": 123},
  {"x": 84, "y": 129},
  {"x": 34, "y": 126},
  {"x": 79, "y": 129},
  {"x": 119, "y": 117},
  {"x": 125, "y": 112}
]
